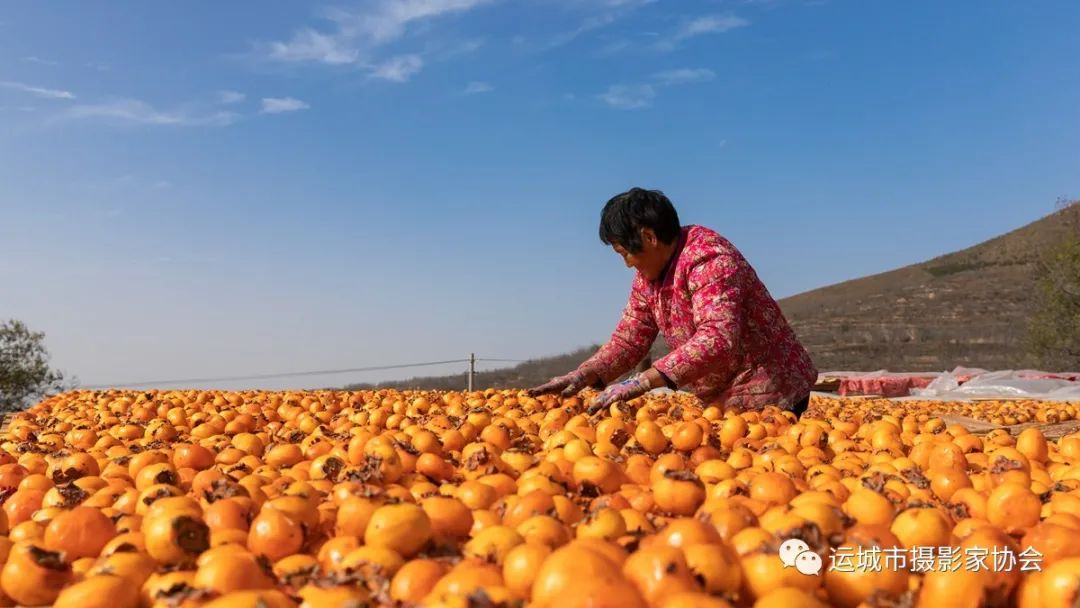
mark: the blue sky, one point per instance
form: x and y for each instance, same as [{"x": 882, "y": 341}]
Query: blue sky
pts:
[{"x": 229, "y": 188}]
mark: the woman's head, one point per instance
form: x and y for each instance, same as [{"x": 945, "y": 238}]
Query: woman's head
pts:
[{"x": 643, "y": 227}]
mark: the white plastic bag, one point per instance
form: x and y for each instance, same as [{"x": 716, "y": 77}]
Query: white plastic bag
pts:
[
  {"x": 1067, "y": 393},
  {"x": 1008, "y": 384},
  {"x": 949, "y": 381}
]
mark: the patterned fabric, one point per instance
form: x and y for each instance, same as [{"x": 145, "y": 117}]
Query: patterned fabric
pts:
[{"x": 730, "y": 343}]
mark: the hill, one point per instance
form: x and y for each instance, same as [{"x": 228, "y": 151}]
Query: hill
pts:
[
  {"x": 970, "y": 308},
  {"x": 965, "y": 308}
]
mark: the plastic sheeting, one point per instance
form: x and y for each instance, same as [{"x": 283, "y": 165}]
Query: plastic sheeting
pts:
[{"x": 961, "y": 384}]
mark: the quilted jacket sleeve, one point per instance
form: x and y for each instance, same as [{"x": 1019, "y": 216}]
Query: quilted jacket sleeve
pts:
[{"x": 631, "y": 340}]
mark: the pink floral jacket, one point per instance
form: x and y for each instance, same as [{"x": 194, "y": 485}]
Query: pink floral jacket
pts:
[{"x": 729, "y": 341}]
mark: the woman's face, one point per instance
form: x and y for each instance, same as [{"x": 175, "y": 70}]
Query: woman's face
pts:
[{"x": 652, "y": 258}]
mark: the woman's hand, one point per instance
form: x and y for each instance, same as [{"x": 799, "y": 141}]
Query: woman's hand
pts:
[
  {"x": 635, "y": 386},
  {"x": 567, "y": 385}
]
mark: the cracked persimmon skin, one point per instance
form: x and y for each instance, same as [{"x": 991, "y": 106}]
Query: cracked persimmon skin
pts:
[{"x": 494, "y": 498}]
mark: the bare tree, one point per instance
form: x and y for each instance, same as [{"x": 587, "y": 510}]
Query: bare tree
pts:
[
  {"x": 1054, "y": 332},
  {"x": 25, "y": 375}
]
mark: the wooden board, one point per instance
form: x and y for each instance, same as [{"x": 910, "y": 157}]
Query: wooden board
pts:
[
  {"x": 979, "y": 427},
  {"x": 828, "y": 385}
]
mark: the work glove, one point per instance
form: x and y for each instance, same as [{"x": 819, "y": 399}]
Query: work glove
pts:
[
  {"x": 567, "y": 385},
  {"x": 635, "y": 386}
]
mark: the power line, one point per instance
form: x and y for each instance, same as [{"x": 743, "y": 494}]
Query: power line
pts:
[{"x": 278, "y": 375}]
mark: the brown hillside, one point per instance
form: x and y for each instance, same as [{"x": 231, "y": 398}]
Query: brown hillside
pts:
[
  {"x": 970, "y": 307},
  {"x": 966, "y": 308}
]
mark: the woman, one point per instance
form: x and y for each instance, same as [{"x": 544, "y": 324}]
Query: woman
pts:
[{"x": 730, "y": 342}]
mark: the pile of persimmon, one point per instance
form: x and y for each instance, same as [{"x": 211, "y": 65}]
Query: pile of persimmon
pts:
[
  {"x": 998, "y": 412},
  {"x": 493, "y": 498}
]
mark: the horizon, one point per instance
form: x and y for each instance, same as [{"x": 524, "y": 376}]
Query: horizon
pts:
[{"x": 229, "y": 190}]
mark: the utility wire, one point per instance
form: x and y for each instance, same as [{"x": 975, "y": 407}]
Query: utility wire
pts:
[
  {"x": 279, "y": 375},
  {"x": 291, "y": 374}
]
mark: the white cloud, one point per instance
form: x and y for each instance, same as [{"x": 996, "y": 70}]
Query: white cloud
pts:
[
  {"x": 628, "y": 97},
  {"x": 640, "y": 96},
  {"x": 388, "y": 19},
  {"x": 357, "y": 35},
  {"x": 476, "y": 87},
  {"x": 708, "y": 24},
  {"x": 611, "y": 11},
  {"x": 594, "y": 22},
  {"x": 309, "y": 45},
  {"x": 613, "y": 47},
  {"x": 39, "y": 60},
  {"x": 461, "y": 49},
  {"x": 39, "y": 91},
  {"x": 684, "y": 76},
  {"x": 138, "y": 112},
  {"x": 231, "y": 97},
  {"x": 711, "y": 24},
  {"x": 598, "y": 4},
  {"x": 278, "y": 105},
  {"x": 398, "y": 69}
]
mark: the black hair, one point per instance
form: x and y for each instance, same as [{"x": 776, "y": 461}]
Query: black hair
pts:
[{"x": 626, "y": 214}]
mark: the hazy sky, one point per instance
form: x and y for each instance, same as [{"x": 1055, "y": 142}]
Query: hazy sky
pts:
[{"x": 228, "y": 188}]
